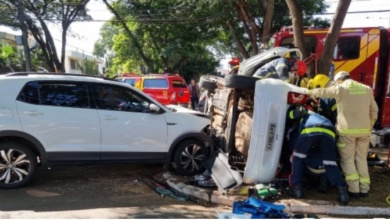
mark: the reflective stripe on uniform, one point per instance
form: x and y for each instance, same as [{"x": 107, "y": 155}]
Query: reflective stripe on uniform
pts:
[
  {"x": 329, "y": 162},
  {"x": 352, "y": 177},
  {"x": 303, "y": 156},
  {"x": 323, "y": 130},
  {"x": 340, "y": 145},
  {"x": 316, "y": 171},
  {"x": 357, "y": 89},
  {"x": 364, "y": 180},
  {"x": 334, "y": 107},
  {"x": 355, "y": 131},
  {"x": 291, "y": 114}
]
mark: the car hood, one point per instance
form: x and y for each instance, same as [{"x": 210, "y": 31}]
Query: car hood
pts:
[{"x": 183, "y": 110}]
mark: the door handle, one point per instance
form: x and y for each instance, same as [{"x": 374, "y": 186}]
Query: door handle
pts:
[
  {"x": 33, "y": 113},
  {"x": 109, "y": 117}
]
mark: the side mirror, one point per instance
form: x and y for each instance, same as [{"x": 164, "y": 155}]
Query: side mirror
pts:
[{"x": 154, "y": 108}]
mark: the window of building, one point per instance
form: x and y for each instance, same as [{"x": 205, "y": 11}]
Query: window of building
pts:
[{"x": 73, "y": 64}]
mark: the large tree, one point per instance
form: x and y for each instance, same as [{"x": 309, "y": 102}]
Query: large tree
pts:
[
  {"x": 39, "y": 14},
  {"x": 325, "y": 60},
  {"x": 159, "y": 35}
]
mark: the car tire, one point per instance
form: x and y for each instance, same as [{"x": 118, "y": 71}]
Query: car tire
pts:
[
  {"x": 189, "y": 156},
  {"x": 240, "y": 82},
  {"x": 208, "y": 82},
  {"x": 17, "y": 165}
]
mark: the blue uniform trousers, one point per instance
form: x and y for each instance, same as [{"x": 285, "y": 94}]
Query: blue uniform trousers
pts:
[{"x": 327, "y": 147}]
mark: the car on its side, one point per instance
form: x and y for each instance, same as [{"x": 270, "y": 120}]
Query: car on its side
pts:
[
  {"x": 55, "y": 118},
  {"x": 248, "y": 116}
]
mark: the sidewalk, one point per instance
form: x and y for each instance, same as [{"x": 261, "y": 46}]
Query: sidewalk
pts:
[{"x": 292, "y": 205}]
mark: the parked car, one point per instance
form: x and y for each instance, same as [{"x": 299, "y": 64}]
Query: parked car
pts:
[
  {"x": 248, "y": 116},
  {"x": 56, "y": 118},
  {"x": 165, "y": 88}
]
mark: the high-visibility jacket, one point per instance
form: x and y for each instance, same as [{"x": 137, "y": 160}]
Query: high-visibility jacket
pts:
[
  {"x": 312, "y": 123},
  {"x": 357, "y": 110},
  {"x": 328, "y": 109}
]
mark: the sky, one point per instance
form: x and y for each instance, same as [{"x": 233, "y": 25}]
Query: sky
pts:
[{"x": 83, "y": 35}]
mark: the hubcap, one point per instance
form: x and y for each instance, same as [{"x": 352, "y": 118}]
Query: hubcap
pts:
[
  {"x": 192, "y": 157},
  {"x": 14, "y": 166}
]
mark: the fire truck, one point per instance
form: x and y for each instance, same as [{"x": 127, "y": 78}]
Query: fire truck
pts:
[{"x": 364, "y": 53}]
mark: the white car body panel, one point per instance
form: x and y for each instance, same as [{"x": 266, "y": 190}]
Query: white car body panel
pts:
[
  {"x": 270, "y": 107},
  {"x": 184, "y": 123},
  {"x": 133, "y": 132},
  {"x": 61, "y": 129}
]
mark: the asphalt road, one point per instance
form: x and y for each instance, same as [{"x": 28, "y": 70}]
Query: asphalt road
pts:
[{"x": 97, "y": 191}]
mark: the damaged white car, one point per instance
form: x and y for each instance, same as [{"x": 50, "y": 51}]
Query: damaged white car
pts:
[{"x": 248, "y": 116}]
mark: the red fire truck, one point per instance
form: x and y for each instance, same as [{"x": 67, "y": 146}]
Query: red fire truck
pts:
[{"x": 364, "y": 53}]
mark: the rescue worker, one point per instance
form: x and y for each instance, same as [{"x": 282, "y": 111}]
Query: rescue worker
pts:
[
  {"x": 326, "y": 106},
  {"x": 315, "y": 130},
  {"x": 357, "y": 112},
  {"x": 278, "y": 69}
]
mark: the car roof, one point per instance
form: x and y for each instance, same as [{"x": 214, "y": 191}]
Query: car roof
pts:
[{"x": 27, "y": 76}]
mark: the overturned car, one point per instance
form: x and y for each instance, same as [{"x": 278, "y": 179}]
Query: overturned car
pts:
[{"x": 248, "y": 116}]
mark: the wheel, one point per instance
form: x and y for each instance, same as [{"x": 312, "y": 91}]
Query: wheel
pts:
[
  {"x": 240, "y": 82},
  {"x": 208, "y": 82},
  {"x": 17, "y": 165},
  {"x": 189, "y": 156}
]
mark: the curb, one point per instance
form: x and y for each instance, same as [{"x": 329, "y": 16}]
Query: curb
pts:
[{"x": 291, "y": 205}]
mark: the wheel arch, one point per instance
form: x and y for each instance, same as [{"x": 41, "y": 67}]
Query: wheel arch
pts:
[
  {"x": 187, "y": 136},
  {"x": 28, "y": 140}
]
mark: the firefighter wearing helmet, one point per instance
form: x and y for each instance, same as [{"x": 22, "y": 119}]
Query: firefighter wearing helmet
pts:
[
  {"x": 326, "y": 106},
  {"x": 357, "y": 112},
  {"x": 281, "y": 68}
]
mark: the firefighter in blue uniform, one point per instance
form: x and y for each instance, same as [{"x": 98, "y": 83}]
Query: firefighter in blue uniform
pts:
[
  {"x": 278, "y": 69},
  {"x": 315, "y": 130}
]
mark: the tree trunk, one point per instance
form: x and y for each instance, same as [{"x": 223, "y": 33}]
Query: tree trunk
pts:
[
  {"x": 267, "y": 23},
  {"x": 240, "y": 46},
  {"x": 23, "y": 28},
  {"x": 297, "y": 21},
  {"x": 331, "y": 38}
]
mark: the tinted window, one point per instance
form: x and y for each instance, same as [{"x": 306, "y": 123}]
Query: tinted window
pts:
[
  {"x": 347, "y": 48},
  {"x": 120, "y": 99},
  {"x": 65, "y": 94},
  {"x": 178, "y": 84},
  {"x": 155, "y": 83}
]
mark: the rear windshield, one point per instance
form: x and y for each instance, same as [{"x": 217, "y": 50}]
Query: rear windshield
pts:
[
  {"x": 178, "y": 84},
  {"x": 155, "y": 83}
]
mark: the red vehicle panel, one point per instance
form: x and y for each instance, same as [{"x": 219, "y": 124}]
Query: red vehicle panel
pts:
[{"x": 166, "y": 88}]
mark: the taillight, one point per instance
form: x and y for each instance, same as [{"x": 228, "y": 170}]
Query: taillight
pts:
[{"x": 295, "y": 98}]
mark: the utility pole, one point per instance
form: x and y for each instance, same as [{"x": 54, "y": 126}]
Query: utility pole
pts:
[{"x": 23, "y": 27}]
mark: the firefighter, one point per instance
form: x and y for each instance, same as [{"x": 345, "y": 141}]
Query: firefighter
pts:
[
  {"x": 315, "y": 130},
  {"x": 357, "y": 112},
  {"x": 278, "y": 69},
  {"x": 326, "y": 106}
]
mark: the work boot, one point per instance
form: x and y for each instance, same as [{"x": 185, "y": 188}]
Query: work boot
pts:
[
  {"x": 296, "y": 191},
  {"x": 343, "y": 195},
  {"x": 323, "y": 188}
]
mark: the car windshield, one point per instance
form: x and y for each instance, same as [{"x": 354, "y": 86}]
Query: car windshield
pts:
[{"x": 155, "y": 83}]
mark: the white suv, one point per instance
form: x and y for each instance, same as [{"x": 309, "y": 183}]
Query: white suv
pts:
[{"x": 56, "y": 118}]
